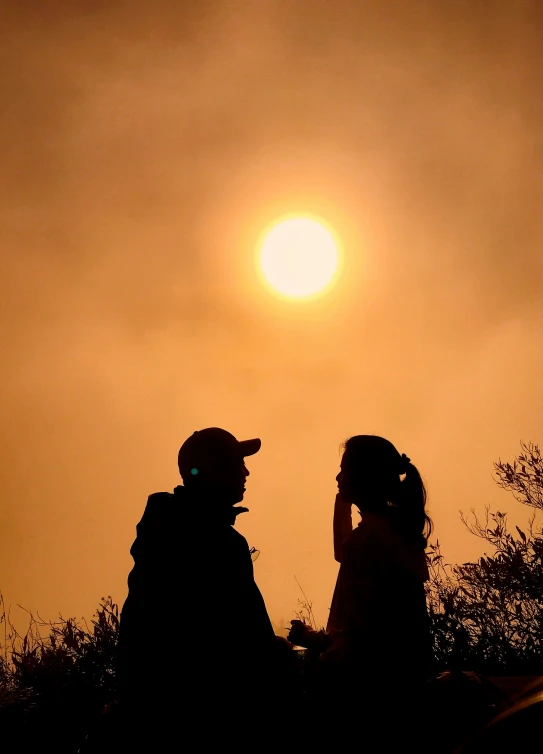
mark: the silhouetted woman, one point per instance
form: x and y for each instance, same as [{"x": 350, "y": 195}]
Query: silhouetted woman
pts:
[{"x": 376, "y": 649}]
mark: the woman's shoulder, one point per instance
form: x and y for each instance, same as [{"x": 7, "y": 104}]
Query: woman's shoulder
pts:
[
  {"x": 376, "y": 534},
  {"x": 368, "y": 539},
  {"x": 373, "y": 526}
]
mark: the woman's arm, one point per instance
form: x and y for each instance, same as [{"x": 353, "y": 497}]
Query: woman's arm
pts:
[{"x": 343, "y": 525}]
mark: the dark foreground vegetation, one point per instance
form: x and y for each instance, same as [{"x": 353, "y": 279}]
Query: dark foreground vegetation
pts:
[{"x": 487, "y": 619}]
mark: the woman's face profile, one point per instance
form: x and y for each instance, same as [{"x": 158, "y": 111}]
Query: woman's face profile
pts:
[
  {"x": 358, "y": 483},
  {"x": 342, "y": 480}
]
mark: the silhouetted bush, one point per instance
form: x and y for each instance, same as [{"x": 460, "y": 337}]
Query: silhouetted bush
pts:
[{"x": 487, "y": 616}]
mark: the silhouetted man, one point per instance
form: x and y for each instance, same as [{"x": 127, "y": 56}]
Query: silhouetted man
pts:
[{"x": 196, "y": 645}]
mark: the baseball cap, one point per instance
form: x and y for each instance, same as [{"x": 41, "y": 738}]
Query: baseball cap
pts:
[{"x": 215, "y": 443}]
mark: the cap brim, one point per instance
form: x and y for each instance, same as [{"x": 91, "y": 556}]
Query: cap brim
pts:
[{"x": 250, "y": 447}]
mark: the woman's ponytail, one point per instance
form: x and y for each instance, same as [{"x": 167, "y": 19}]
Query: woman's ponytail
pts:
[{"x": 410, "y": 504}]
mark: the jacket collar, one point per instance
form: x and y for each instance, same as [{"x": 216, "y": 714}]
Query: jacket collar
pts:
[{"x": 207, "y": 509}]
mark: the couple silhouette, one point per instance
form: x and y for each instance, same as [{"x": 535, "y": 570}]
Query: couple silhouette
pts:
[{"x": 197, "y": 657}]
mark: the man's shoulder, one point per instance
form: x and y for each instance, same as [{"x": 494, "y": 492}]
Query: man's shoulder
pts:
[
  {"x": 159, "y": 505},
  {"x": 156, "y": 499}
]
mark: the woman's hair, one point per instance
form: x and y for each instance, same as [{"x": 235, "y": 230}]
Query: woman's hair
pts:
[{"x": 373, "y": 465}]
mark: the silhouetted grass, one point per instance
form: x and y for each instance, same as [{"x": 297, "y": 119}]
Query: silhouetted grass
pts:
[{"x": 56, "y": 678}]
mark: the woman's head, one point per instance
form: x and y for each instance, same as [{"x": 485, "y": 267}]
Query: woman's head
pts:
[{"x": 371, "y": 478}]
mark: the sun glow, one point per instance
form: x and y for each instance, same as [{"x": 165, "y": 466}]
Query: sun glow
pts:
[{"x": 299, "y": 257}]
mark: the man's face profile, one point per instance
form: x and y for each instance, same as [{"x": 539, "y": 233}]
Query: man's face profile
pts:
[{"x": 223, "y": 473}]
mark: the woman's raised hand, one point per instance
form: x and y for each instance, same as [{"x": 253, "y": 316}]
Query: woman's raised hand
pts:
[
  {"x": 300, "y": 633},
  {"x": 304, "y": 636}
]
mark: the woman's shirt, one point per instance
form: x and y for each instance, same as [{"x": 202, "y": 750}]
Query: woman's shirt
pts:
[{"x": 378, "y": 617}]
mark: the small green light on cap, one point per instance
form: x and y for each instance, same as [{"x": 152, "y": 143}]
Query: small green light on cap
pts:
[{"x": 194, "y": 472}]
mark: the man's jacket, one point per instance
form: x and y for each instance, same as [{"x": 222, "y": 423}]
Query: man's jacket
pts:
[{"x": 194, "y": 619}]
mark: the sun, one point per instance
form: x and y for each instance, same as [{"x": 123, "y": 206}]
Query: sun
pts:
[{"x": 299, "y": 257}]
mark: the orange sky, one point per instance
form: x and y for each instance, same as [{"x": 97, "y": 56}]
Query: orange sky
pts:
[{"x": 143, "y": 149}]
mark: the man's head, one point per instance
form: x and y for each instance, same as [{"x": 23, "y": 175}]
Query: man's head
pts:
[{"x": 212, "y": 461}]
